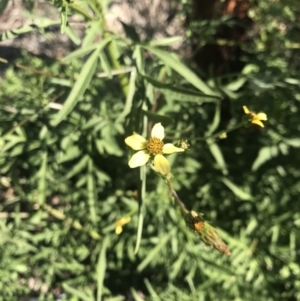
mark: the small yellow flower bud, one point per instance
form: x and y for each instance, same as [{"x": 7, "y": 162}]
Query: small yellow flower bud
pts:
[
  {"x": 183, "y": 144},
  {"x": 223, "y": 135},
  {"x": 120, "y": 223}
]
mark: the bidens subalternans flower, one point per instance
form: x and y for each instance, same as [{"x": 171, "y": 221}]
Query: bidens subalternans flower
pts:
[
  {"x": 154, "y": 148},
  {"x": 256, "y": 118}
]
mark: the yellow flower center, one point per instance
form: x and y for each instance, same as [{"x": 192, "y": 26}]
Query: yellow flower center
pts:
[{"x": 155, "y": 146}]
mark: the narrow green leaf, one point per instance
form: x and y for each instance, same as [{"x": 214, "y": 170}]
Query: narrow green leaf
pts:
[
  {"x": 183, "y": 70},
  {"x": 43, "y": 23},
  {"x": 176, "y": 267},
  {"x": 91, "y": 191},
  {"x": 79, "y": 88},
  {"x": 129, "y": 98},
  {"x": 77, "y": 293},
  {"x": 90, "y": 33},
  {"x": 105, "y": 64},
  {"x": 142, "y": 195},
  {"x": 72, "y": 35},
  {"x": 139, "y": 59},
  {"x": 77, "y": 168},
  {"x": 294, "y": 142},
  {"x": 180, "y": 94},
  {"x": 13, "y": 140},
  {"x": 151, "y": 290},
  {"x": 42, "y": 179},
  {"x": 101, "y": 268},
  {"x": 217, "y": 154},
  {"x": 118, "y": 298},
  {"x": 84, "y": 50},
  {"x": 154, "y": 252},
  {"x": 166, "y": 41},
  {"x": 265, "y": 154},
  {"x": 237, "y": 190},
  {"x": 135, "y": 295},
  {"x": 80, "y": 52},
  {"x": 72, "y": 152},
  {"x": 165, "y": 120},
  {"x": 216, "y": 120},
  {"x": 17, "y": 150},
  {"x": 237, "y": 84},
  {"x": 190, "y": 282},
  {"x": 63, "y": 18},
  {"x": 92, "y": 122}
]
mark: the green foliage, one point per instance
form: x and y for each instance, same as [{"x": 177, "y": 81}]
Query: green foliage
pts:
[{"x": 65, "y": 179}]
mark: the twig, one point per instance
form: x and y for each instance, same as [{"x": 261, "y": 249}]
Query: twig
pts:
[{"x": 176, "y": 197}]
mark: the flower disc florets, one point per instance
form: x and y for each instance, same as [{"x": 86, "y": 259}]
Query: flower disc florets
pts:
[{"x": 155, "y": 146}]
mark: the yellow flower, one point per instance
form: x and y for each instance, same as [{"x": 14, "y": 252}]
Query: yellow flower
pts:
[
  {"x": 152, "y": 148},
  {"x": 256, "y": 118},
  {"x": 120, "y": 223}
]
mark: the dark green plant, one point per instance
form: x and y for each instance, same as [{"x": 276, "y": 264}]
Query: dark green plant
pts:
[{"x": 66, "y": 187}]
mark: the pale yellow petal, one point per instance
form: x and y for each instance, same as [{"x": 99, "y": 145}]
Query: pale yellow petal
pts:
[
  {"x": 162, "y": 165},
  {"x": 169, "y": 148},
  {"x": 246, "y": 110},
  {"x": 139, "y": 159},
  {"x": 261, "y": 116},
  {"x": 125, "y": 220},
  {"x": 136, "y": 141},
  {"x": 158, "y": 131},
  {"x": 258, "y": 122},
  {"x": 119, "y": 230}
]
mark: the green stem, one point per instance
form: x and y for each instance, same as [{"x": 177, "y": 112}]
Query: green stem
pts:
[
  {"x": 123, "y": 79},
  {"x": 176, "y": 197},
  {"x": 217, "y": 135}
]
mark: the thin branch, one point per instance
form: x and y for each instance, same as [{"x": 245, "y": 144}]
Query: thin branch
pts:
[{"x": 176, "y": 197}]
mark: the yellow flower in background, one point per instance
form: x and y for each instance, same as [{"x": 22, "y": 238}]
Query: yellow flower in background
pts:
[
  {"x": 256, "y": 118},
  {"x": 152, "y": 148},
  {"x": 120, "y": 223}
]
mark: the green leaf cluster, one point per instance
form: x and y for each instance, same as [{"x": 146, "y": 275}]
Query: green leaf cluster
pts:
[{"x": 65, "y": 180}]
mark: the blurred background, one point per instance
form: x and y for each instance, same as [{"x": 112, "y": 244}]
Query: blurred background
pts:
[{"x": 77, "y": 78}]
